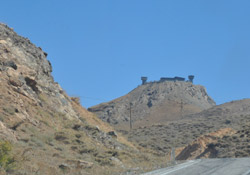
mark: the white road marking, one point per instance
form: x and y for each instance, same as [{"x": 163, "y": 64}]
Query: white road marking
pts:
[
  {"x": 172, "y": 169},
  {"x": 247, "y": 173},
  {"x": 212, "y": 166},
  {"x": 181, "y": 167}
]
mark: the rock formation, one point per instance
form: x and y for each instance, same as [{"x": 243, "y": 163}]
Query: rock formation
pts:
[
  {"x": 49, "y": 132},
  {"x": 155, "y": 102}
]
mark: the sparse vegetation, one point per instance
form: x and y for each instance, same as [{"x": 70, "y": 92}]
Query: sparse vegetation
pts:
[
  {"x": 181, "y": 133},
  {"x": 43, "y": 97},
  {"x": 77, "y": 100},
  {"x": 6, "y": 159},
  {"x": 9, "y": 110},
  {"x": 53, "y": 134}
]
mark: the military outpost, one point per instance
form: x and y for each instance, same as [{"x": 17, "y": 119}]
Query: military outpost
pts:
[{"x": 163, "y": 79}]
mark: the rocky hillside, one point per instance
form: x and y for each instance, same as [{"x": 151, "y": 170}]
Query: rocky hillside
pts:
[
  {"x": 221, "y": 131},
  {"x": 44, "y": 131},
  {"x": 154, "y": 102},
  {"x": 224, "y": 143}
]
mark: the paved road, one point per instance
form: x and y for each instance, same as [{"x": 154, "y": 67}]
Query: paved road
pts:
[{"x": 228, "y": 166}]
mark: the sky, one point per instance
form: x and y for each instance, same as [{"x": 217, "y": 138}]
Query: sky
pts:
[{"x": 99, "y": 49}]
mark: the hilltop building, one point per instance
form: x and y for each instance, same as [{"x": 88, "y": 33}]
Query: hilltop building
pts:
[
  {"x": 144, "y": 80},
  {"x": 172, "y": 79},
  {"x": 163, "y": 79},
  {"x": 191, "y": 78}
]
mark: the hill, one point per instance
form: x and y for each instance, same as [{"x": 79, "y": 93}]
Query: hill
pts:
[
  {"x": 44, "y": 131},
  {"x": 181, "y": 115},
  {"x": 154, "y": 102},
  {"x": 221, "y": 131}
]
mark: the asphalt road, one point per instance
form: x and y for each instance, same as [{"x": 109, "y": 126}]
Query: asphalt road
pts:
[{"x": 228, "y": 166}]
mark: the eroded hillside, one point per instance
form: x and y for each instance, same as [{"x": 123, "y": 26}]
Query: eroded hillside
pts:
[
  {"x": 44, "y": 131},
  {"x": 154, "y": 102},
  {"x": 200, "y": 135}
]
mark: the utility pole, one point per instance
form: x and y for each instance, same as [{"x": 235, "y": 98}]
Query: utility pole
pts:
[
  {"x": 130, "y": 115},
  {"x": 181, "y": 108},
  {"x": 173, "y": 161}
]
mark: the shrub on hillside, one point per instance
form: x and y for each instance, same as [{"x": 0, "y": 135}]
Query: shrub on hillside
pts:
[
  {"x": 6, "y": 160},
  {"x": 76, "y": 100}
]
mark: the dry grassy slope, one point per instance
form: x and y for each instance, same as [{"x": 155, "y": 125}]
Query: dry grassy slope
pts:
[
  {"x": 223, "y": 143},
  {"x": 50, "y": 132},
  {"x": 234, "y": 115},
  {"x": 239, "y": 107},
  {"x": 154, "y": 102}
]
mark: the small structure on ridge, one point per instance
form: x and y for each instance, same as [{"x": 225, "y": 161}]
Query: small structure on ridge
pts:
[
  {"x": 144, "y": 80},
  {"x": 163, "y": 79}
]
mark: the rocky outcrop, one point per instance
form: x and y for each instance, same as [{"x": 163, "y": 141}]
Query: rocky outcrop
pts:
[
  {"x": 27, "y": 70},
  {"x": 49, "y": 132},
  {"x": 155, "y": 102}
]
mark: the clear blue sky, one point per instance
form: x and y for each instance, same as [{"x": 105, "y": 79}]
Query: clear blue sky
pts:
[{"x": 100, "y": 49}]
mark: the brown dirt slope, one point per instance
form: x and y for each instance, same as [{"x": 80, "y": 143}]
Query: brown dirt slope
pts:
[
  {"x": 179, "y": 134},
  {"x": 44, "y": 131},
  {"x": 203, "y": 146},
  {"x": 224, "y": 143}
]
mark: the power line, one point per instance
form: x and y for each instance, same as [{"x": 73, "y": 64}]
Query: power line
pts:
[{"x": 91, "y": 98}]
